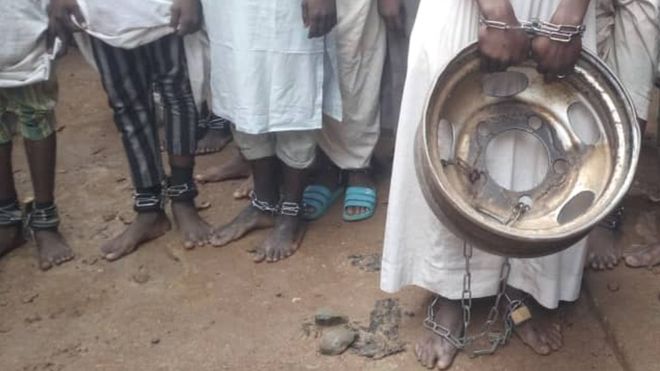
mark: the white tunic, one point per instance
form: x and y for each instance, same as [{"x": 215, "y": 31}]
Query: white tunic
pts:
[
  {"x": 266, "y": 75},
  {"x": 23, "y": 56},
  {"x": 419, "y": 250}
]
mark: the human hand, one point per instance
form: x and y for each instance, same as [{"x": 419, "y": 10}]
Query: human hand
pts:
[
  {"x": 186, "y": 16},
  {"x": 61, "y": 15},
  {"x": 556, "y": 59},
  {"x": 393, "y": 13},
  {"x": 500, "y": 49},
  {"x": 319, "y": 16}
]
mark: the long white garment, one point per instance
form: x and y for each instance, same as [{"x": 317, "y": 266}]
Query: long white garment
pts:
[
  {"x": 23, "y": 56},
  {"x": 629, "y": 41},
  {"x": 266, "y": 75},
  {"x": 361, "y": 53},
  {"x": 419, "y": 250}
]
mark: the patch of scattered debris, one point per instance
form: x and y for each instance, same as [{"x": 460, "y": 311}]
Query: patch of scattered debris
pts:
[
  {"x": 366, "y": 262},
  {"x": 376, "y": 341}
]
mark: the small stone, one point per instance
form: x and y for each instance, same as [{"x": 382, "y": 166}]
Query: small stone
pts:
[
  {"x": 30, "y": 298},
  {"x": 141, "y": 277},
  {"x": 613, "y": 286},
  {"x": 279, "y": 295},
  {"x": 203, "y": 205},
  {"x": 155, "y": 341},
  {"x": 327, "y": 317},
  {"x": 126, "y": 219},
  {"x": 409, "y": 313},
  {"x": 295, "y": 300},
  {"x": 109, "y": 216},
  {"x": 32, "y": 319},
  {"x": 4, "y": 329},
  {"x": 336, "y": 341},
  {"x": 120, "y": 179}
]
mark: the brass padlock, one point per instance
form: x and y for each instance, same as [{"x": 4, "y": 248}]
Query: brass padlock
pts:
[{"x": 520, "y": 315}]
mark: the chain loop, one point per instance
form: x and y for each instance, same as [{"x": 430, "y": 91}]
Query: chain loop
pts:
[
  {"x": 556, "y": 32},
  {"x": 494, "y": 338}
]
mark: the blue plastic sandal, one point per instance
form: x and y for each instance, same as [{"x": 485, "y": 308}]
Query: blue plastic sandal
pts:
[
  {"x": 360, "y": 197},
  {"x": 319, "y": 198}
]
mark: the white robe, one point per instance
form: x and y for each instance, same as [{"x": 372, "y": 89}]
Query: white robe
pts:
[
  {"x": 23, "y": 56},
  {"x": 418, "y": 249},
  {"x": 266, "y": 75}
]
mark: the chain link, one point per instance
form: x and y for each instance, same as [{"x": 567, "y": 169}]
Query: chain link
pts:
[
  {"x": 536, "y": 27},
  {"x": 495, "y": 338}
]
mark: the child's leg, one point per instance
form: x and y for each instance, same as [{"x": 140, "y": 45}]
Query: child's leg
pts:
[
  {"x": 297, "y": 151},
  {"x": 35, "y": 106},
  {"x": 10, "y": 213},
  {"x": 170, "y": 73},
  {"x": 259, "y": 150},
  {"x": 126, "y": 77}
]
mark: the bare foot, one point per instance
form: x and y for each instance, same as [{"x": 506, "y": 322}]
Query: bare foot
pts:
[
  {"x": 359, "y": 179},
  {"x": 235, "y": 168},
  {"x": 196, "y": 232},
  {"x": 541, "y": 332},
  {"x": 602, "y": 252},
  {"x": 146, "y": 227},
  {"x": 283, "y": 241},
  {"x": 433, "y": 350},
  {"x": 213, "y": 141},
  {"x": 10, "y": 238},
  {"x": 244, "y": 190},
  {"x": 250, "y": 219},
  {"x": 649, "y": 256},
  {"x": 52, "y": 249}
]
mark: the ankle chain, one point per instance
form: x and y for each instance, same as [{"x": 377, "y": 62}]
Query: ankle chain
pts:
[{"x": 11, "y": 215}]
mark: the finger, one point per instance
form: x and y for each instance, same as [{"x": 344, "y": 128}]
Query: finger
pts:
[
  {"x": 50, "y": 39},
  {"x": 78, "y": 15},
  {"x": 314, "y": 27},
  {"x": 305, "y": 13},
  {"x": 175, "y": 18}
]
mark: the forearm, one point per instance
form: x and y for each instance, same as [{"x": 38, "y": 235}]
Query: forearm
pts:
[
  {"x": 496, "y": 9},
  {"x": 571, "y": 11}
]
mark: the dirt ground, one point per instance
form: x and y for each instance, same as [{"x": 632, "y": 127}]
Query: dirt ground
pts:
[{"x": 163, "y": 308}]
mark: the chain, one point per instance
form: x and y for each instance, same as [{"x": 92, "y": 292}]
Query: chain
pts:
[
  {"x": 495, "y": 338},
  {"x": 536, "y": 27}
]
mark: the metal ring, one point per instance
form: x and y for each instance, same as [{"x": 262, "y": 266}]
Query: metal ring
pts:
[{"x": 585, "y": 179}]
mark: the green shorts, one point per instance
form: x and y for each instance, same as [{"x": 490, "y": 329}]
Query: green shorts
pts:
[{"x": 28, "y": 109}]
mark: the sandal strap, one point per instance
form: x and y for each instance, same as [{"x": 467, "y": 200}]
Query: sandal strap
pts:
[{"x": 11, "y": 215}]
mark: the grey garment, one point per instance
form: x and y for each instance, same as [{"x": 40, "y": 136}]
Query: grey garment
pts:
[
  {"x": 394, "y": 74},
  {"x": 296, "y": 149},
  {"x": 128, "y": 77}
]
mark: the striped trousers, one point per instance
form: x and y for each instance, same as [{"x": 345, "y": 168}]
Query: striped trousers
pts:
[{"x": 129, "y": 77}]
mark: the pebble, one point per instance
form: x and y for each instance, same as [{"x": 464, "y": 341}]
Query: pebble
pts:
[
  {"x": 33, "y": 319},
  {"x": 109, "y": 216},
  {"x": 336, "y": 341},
  {"x": 30, "y": 298},
  {"x": 327, "y": 317},
  {"x": 141, "y": 277},
  {"x": 613, "y": 286},
  {"x": 203, "y": 205},
  {"x": 155, "y": 341}
]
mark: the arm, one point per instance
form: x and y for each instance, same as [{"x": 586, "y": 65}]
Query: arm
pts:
[
  {"x": 500, "y": 49},
  {"x": 320, "y": 16},
  {"x": 557, "y": 58},
  {"x": 393, "y": 12}
]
